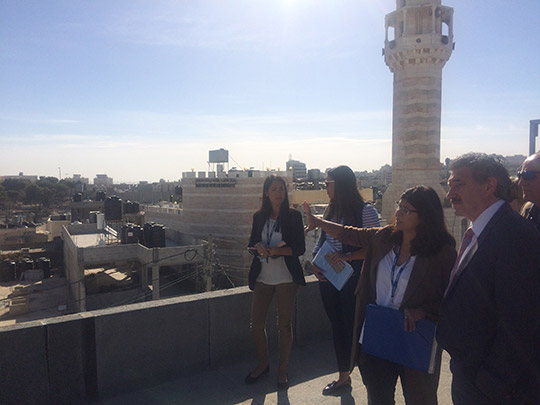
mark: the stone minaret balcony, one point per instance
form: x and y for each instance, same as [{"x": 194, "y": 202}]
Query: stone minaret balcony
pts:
[{"x": 418, "y": 32}]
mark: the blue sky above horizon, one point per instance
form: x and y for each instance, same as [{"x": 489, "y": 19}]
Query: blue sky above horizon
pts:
[{"x": 143, "y": 90}]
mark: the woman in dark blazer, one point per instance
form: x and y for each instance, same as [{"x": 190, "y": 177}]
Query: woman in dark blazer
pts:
[
  {"x": 277, "y": 241},
  {"x": 407, "y": 267}
]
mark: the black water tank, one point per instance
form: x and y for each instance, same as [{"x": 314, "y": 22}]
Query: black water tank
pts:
[
  {"x": 130, "y": 233},
  {"x": 19, "y": 268},
  {"x": 7, "y": 271},
  {"x": 22, "y": 266},
  {"x": 113, "y": 209},
  {"x": 13, "y": 270},
  {"x": 28, "y": 264},
  {"x": 92, "y": 216},
  {"x": 131, "y": 207},
  {"x": 147, "y": 234},
  {"x": 45, "y": 265},
  {"x": 123, "y": 233},
  {"x": 158, "y": 235},
  {"x": 126, "y": 206},
  {"x": 77, "y": 197},
  {"x": 135, "y": 235}
]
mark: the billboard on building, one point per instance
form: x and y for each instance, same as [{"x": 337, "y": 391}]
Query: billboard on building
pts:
[{"x": 219, "y": 156}]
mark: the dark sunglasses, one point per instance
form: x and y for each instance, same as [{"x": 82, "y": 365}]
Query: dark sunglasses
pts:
[{"x": 528, "y": 174}]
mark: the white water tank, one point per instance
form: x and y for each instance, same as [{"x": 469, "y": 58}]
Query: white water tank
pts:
[{"x": 100, "y": 220}]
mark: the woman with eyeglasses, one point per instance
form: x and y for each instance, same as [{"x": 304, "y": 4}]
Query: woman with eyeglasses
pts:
[
  {"x": 346, "y": 207},
  {"x": 407, "y": 267},
  {"x": 277, "y": 241}
]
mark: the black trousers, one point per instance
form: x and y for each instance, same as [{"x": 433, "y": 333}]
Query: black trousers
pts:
[
  {"x": 339, "y": 306},
  {"x": 380, "y": 378}
]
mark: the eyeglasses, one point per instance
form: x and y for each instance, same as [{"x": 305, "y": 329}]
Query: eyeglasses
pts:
[
  {"x": 328, "y": 182},
  {"x": 406, "y": 211},
  {"x": 528, "y": 175}
]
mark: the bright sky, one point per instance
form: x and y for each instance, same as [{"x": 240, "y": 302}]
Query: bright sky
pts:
[{"x": 142, "y": 90}]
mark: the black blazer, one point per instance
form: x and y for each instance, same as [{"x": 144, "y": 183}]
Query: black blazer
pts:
[
  {"x": 489, "y": 320},
  {"x": 292, "y": 229}
]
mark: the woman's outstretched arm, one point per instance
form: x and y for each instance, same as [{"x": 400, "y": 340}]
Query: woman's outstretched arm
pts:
[
  {"x": 350, "y": 235},
  {"x": 329, "y": 227}
]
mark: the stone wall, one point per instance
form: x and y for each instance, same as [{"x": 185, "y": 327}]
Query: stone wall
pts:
[{"x": 85, "y": 356}]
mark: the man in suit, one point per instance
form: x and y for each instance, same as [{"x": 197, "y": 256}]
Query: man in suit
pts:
[
  {"x": 489, "y": 319},
  {"x": 529, "y": 181}
]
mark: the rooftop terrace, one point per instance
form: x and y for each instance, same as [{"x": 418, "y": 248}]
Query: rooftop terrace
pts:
[{"x": 194, "y": 349}]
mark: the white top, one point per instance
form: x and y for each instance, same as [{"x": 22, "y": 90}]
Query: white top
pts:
[
  {"x": 384, "y": 280},
  {"x": 275, "y": 271}
]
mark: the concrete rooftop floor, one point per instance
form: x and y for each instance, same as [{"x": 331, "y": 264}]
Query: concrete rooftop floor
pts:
[{"x": 311, "y": 368}]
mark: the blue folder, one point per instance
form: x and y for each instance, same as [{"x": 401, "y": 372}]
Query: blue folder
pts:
[
  {"x": 384, "y": 336},
  {"x": 337, "y": 274}
]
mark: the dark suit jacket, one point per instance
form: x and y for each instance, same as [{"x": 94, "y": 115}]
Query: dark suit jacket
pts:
[
  {"x": 490, "y": 317},
  {"x": 532, "y": 213},
  {"x": 427, "y": 282},
  {"x": 292, "y": 229}
]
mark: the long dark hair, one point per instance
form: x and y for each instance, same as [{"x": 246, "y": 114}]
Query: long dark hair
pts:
[
  {"x": 346, "y": 199},
  {"x": 266, "y": 206},
  {"x": 431, "y": 232}
]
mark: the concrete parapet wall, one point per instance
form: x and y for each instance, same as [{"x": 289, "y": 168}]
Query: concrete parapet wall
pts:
[
  {"x": 24, "y": 373},
  {"x": 72, "y": 358}
]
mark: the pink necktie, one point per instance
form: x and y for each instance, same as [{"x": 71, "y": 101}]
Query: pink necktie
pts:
[{"x": 467, "y": 238}]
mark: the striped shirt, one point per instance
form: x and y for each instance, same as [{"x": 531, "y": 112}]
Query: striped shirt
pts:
[{"x": 370, "y": 219}]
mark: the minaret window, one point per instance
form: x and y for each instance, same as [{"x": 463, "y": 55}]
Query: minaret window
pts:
[
  {"x": 391, "y": 33},
  {"x": 444, "y": 33}
]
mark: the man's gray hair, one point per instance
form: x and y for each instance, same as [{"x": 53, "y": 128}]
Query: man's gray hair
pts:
[{"x": 482, "y": 167}]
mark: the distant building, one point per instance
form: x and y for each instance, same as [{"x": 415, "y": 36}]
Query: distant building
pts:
[
  {"x": 314, "y": 174},
  {"x": 150, "y": 193},
  {"x": 223, "y": 207},
  {"x": 21, "y": 176},
  {"x": 103, "y": 180},
  {"x": 298, "y": 169},
  {"x": 78, "y": 178}
]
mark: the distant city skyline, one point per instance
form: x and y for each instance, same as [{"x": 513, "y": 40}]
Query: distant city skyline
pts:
[{"x": 143, "y": 90}]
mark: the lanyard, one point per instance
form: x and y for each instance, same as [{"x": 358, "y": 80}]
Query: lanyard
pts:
[
  {"x": 269, "y": 231},
  {"x": 395, "y": 278}
]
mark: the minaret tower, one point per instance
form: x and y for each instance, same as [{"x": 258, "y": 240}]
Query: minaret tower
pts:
[{"x": 419, "y": 41}]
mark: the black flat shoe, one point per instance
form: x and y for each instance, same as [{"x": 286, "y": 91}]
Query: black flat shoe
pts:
[
  {"x": 250, "y": 379},
  {"x": 282, "y": 386},
  {"x": 333, "y": 387}
]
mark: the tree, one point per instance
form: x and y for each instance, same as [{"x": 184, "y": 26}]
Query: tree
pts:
[
  {"x": 3, "y": 195},
  {"x": 33, "y": 194},
  {"x": 15, "y": 184}
]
